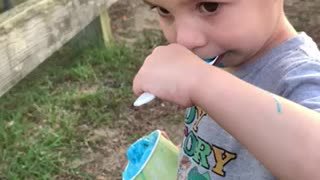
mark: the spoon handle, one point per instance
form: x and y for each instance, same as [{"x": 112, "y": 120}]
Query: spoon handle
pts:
[
  {"x": 148, "y": 97},
  {"x": 144, "y": 99}
]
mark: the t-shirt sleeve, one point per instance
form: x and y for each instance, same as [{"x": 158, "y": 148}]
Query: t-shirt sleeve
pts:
[{"x": 301, "y": 84}]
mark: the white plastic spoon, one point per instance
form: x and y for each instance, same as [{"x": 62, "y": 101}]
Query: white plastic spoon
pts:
[{"x": 148, "y": 97}]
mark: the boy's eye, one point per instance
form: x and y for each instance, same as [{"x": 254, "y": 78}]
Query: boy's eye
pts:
[
  {"x": 162, "y": 11},
  {"x": 208, "y": 7}
]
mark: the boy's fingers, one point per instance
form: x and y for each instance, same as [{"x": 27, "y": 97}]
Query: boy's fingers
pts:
[
  {"x": 135, "y": 87},
  {"x": 164, "y": 134}
]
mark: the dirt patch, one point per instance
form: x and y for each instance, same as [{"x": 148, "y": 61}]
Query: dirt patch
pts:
[
  {"x": 305, "y": 16},
  {"x": 131, "y": 18},
  {"x": 105, "y": 149}
]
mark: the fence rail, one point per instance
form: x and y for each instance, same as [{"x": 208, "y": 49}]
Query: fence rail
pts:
[{"x": 34, "y": 30}]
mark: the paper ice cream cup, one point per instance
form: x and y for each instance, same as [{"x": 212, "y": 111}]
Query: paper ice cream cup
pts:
[{"x": 159, "y": 160}]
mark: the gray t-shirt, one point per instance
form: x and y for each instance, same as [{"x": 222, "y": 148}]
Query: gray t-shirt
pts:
[{"x": 291, "y": 70}]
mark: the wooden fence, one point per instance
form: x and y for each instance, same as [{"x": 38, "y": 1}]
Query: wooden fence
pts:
[
  {"x": 6, "y": 5},
  {"x": 34, "y": 30}
]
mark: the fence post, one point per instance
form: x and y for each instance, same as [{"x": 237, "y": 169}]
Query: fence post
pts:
[
  {"x": 106, "y": 27},
  {"x": 29, "y": 37},
  {"x": 6, "y": 5}
]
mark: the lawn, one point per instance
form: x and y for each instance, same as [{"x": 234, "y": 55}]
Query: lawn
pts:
[{"x": 72, "y": 118}]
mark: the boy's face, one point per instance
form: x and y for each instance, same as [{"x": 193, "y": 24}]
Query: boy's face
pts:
[{"x": 239, "y": 29}]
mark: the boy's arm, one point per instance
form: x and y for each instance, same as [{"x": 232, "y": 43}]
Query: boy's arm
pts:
[{"x": 283, "y": 135}]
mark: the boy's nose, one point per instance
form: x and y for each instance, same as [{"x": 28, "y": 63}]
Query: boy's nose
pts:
[{"x": 190, "y": 37}]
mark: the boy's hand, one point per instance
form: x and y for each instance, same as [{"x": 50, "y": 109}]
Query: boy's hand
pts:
[
  {"x": 169, "y": 73},
  {"x": 164, "y": 134}
]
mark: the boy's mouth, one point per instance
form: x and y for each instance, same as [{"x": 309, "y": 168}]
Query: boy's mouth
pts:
[
  {"x": 216, "y": 60},
  {"x": 211, "y": 60}
]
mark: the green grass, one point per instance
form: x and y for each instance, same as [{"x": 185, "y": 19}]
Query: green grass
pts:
[{"x": 40, "y": 118}]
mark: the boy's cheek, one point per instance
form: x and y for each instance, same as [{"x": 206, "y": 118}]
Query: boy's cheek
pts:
[
  {"x": 169, "y": 32},
  {"x": 170, "y": 37}
]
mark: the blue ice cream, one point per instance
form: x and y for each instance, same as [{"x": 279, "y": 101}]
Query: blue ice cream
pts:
[{"x": 138, "y": 153}]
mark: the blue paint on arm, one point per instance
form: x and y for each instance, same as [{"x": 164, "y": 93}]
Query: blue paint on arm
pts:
[{"x": 278, "y": 104}]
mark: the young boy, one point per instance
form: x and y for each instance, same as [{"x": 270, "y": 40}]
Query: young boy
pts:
[{"x": 256, "y": 118}]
